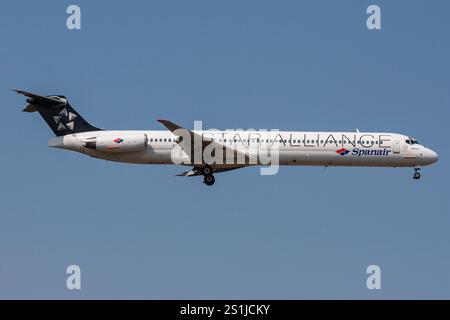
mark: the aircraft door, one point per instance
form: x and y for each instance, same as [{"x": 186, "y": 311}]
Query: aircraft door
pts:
[{"x": 396, "y": 148}]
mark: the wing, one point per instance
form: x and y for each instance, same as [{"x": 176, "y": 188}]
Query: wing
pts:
[
  {"x": 196, "y": 171},
  {"x": 176, "y": 129}
]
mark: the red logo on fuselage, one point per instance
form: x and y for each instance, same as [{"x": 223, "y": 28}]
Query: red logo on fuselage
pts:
[{"x": 343, "y": 152}]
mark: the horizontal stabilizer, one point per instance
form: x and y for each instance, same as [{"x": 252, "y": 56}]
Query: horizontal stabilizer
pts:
[
  {"x": 30, "y": 108},
  {"x": 34, "y": 99},
  {"x": 57, "y": 113}
]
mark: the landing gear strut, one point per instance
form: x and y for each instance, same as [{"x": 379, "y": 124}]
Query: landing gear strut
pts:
[
  {"x": 208, "y": 179},
  {"x": 416, "y": 173}
]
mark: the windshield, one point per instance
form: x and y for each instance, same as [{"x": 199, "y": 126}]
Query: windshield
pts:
[{"x": 412, "y": 141}]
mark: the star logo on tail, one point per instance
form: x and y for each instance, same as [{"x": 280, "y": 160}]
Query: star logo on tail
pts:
[{"x": 65, "y": 120}]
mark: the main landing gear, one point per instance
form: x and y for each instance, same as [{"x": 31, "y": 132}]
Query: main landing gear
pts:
[
  {"x": 207, "y": 173},
  {"x": 416, "y": 175}
]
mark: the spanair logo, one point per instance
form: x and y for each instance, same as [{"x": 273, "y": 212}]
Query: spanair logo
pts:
[
  {"x": 343, "y": 152},
  {"x": 118, "y": 140},
  {"x": 359, "y": 152}
]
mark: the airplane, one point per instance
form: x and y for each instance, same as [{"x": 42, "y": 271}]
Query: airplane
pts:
[{"x": 228, "y": 150}]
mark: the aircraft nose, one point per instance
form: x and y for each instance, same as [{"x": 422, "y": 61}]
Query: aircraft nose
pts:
[
  {"x": 434, "y": 157},
  {"x": 431, "y": 156}
]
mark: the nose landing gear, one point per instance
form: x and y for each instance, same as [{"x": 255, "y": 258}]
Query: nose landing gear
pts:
[
  {"x": 207, "y": 173},
  {"x": 416, "y": 175}
]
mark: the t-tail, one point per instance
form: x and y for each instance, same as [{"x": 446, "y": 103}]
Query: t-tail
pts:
[{"x": 57, "y": 112}]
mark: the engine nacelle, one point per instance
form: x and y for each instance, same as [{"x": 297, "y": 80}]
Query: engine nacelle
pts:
[{"x": 118, "y": 143}]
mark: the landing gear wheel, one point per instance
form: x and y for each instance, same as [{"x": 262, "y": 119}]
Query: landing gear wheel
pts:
[
  {"x": 209, "y": 180},
  {"x": 207, "y": 171},
  {"x": 416, "y": 173}
]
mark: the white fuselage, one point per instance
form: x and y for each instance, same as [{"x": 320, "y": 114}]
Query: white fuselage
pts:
[{"x": 294, "y": 148}]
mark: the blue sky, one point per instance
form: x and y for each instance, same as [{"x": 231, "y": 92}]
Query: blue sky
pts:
[{"x": 139, "y": 232}]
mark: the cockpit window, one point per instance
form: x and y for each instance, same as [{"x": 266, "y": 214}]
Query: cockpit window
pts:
[{"x": 412, "y": 141}]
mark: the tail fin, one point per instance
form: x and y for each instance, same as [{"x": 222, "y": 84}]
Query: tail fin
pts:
[{"x": 57, "y": 112}]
